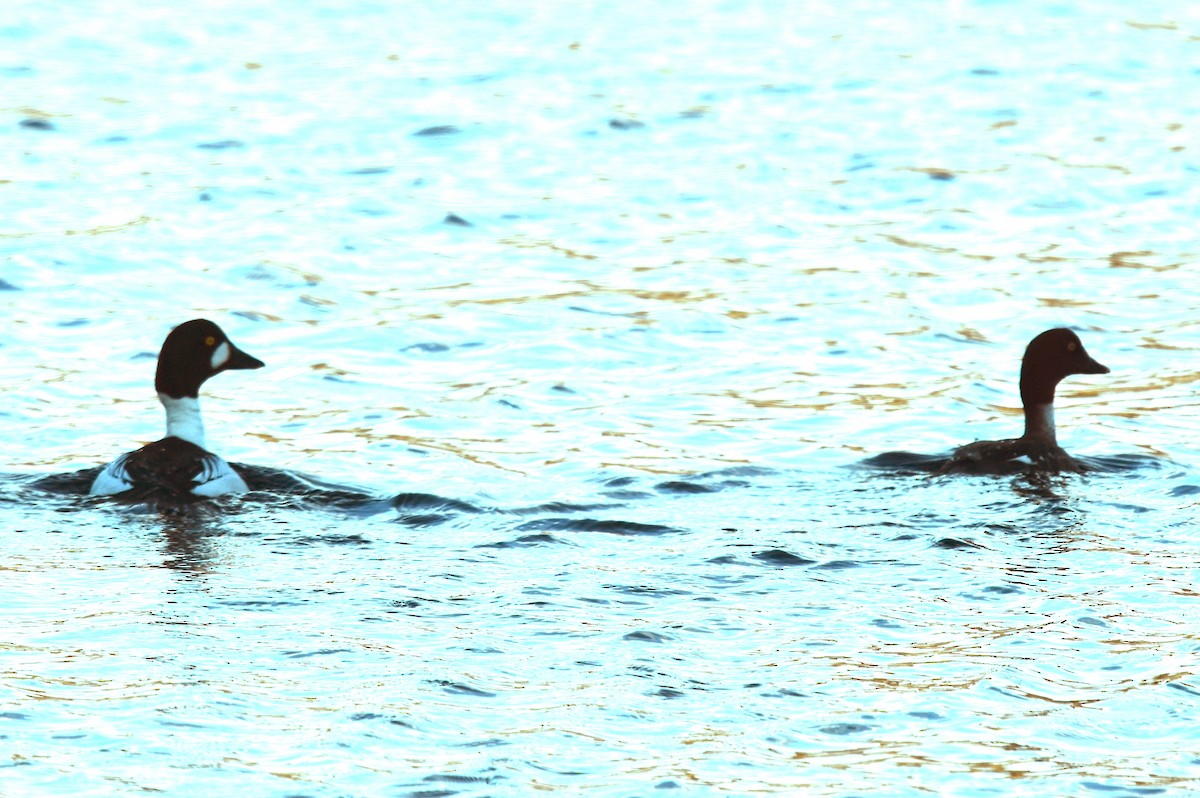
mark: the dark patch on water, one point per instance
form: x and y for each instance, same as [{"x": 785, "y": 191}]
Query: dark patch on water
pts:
[
  {"x": 644, "y": 590},
  {"x": 456, "y": 779},
  {"x": 525, "y": 541},
  {"x": 7, "y": 286},
  {"x": 260, "y": 604},
  {"x": 1185, "y": 490},
  {"x": 430, "y": 347},
  {"x": 389, "y": 719},
  {"x": 956, "y": 543},
  {"x": 322, "y": 652},
  {"x": 845, "y": 728},
  {"x": 1092, "y": 785},
  {"x": 36, "y": 124},
  {"x": 625, "y": 124},
  {"x": 226, "y": 144},
  {"x": 424, "y": 520},
  {"x": 630, "y": 315},
  {"x": 647, "y": 637},
  {"x": 438, "y": 130},
  {"x": 838, "y": 565},
  {"x": 489, "y": 742},
  {"x": 779, "y": 557},
  {"x": 628, "y": 495},
  {"x": 1183, "y": 688},
  {"x": 370, "y": 170},
  {"x": 609, "y": 527},
  {"x": 681, "y": 486},
  {"x": 741, "y": 471},
  {"x": 562, "y": 507},
  {"x": 458, "y": 688},
  {"x": 713, "y": 481},
  {"x": 455, "y": 220},
  {"x": 332, "y": 540},
  {"x": 428, "y": 501}
]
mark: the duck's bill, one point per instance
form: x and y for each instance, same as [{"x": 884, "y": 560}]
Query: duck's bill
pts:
[{"x": 240, "y": 360}]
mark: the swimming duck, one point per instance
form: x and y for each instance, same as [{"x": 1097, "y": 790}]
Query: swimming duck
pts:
[
  {"x": 178, "y": 468},
  {"x": 1049, "y": 358}
]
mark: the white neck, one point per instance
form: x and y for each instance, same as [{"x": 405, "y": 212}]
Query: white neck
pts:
[
  {"x": 183, "y": 418},
  {"x": 1039, "y": 422}
]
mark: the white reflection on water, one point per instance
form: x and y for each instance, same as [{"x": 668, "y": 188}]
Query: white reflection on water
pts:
[{"x": 715, "y": 255}]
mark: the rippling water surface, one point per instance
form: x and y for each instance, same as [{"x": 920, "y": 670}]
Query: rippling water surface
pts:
[{"x": 595, "y": 311}]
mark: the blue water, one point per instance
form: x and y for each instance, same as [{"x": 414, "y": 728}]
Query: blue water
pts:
[{"x": 598, "y": 309}]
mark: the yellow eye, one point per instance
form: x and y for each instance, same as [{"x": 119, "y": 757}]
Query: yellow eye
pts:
[{"x": 209, "y": 341}]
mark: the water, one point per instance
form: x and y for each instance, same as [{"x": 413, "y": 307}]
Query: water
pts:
[{"x": 618, "y": 541}]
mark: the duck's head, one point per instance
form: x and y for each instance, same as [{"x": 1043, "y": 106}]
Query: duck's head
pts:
[
  {"x": 1049, "y": 357},
  {"x": 193, "y": 352}
]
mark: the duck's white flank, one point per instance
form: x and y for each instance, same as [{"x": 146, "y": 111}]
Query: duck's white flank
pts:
[
  {"x": 218, "y": 479},
  {"x": 112, "y": 480}
]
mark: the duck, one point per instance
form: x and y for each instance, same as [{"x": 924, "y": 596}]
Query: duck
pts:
[
  {"x": 178, "y": 468},
  {"x": 1050, "y": 357}
]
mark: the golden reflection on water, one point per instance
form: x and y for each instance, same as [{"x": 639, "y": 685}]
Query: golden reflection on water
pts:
[{"x": 110, "y": 228}]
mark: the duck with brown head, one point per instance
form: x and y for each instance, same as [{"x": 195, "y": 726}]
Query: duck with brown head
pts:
[{"x": 1049, "y": 358}]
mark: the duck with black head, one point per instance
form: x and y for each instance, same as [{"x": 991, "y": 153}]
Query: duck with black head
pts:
[
  {"x": 178, "y": 469},
  {"x": 1050, "y": 357}
]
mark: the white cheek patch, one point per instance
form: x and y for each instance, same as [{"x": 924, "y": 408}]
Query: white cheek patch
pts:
[{"x": 220, "y": 355}]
